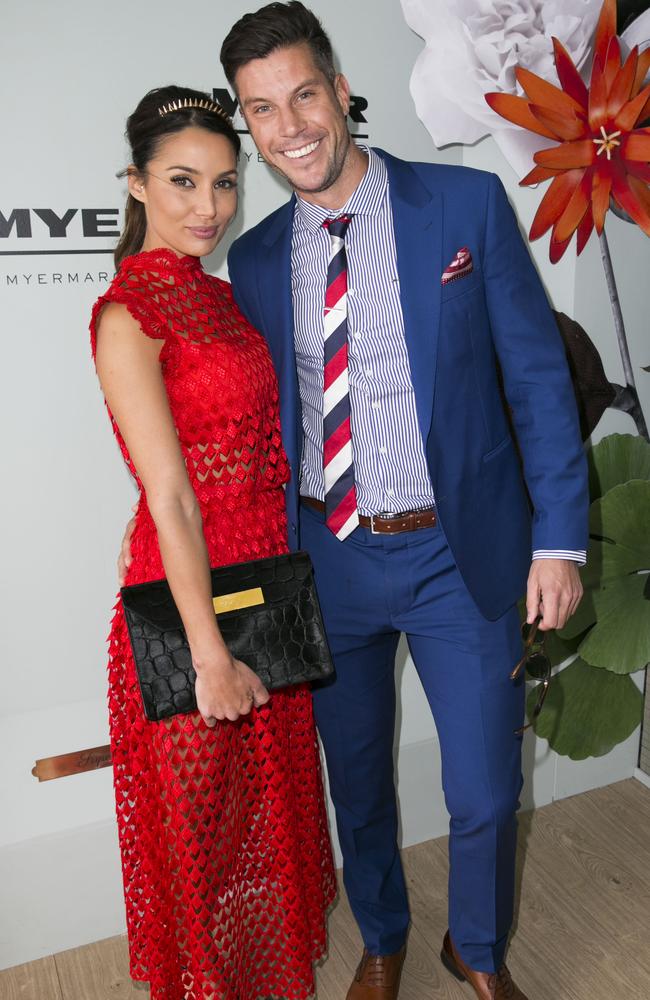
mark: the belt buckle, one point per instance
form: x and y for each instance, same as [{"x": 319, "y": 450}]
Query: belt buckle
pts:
[{"x": 384, "y": 513}]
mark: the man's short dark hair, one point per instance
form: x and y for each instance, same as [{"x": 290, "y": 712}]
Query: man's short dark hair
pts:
[{"x": 276, "y": 26}]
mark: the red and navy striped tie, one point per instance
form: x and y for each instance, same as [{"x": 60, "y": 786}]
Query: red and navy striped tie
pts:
[{"x": 341, "y": 514}]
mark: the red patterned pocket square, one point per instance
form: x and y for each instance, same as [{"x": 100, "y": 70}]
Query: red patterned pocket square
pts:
[{"x": 460, "y": 266}]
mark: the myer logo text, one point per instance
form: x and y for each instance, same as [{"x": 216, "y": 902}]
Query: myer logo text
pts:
[{"x": 28, "y": 223}]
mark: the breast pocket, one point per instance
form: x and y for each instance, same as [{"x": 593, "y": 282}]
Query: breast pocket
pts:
[{"x": 457, "y": 288}]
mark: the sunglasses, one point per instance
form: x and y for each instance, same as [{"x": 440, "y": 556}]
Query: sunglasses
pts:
[{"x": 537, "y": 663}]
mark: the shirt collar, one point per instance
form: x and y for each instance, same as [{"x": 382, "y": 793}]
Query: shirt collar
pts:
[{"x": 366, "y": 199}]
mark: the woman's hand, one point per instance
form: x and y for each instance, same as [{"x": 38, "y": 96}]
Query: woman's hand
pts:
[{"x": 226, "y": 688}]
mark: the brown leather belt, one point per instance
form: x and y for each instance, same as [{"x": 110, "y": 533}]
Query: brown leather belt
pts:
[{"x": 386, "y": 524}]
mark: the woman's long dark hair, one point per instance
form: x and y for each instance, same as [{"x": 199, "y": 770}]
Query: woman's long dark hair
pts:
[{"x": 145, "y": 128}]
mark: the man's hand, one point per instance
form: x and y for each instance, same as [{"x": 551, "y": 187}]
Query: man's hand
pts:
[
  {"x": 554, "y": 592},
  {"x": 124, "y": 558}
]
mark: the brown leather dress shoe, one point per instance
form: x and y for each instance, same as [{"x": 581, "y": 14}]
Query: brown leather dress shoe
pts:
[
  {"x": 486, "y": 985},
  {"x": 377, "y": 977}
]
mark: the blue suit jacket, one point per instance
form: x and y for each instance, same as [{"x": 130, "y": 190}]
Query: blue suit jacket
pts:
[{"x": 454, "y": 334}]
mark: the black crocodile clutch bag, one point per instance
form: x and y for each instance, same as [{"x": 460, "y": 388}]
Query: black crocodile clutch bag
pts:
[{"x": 269, "y": 617}]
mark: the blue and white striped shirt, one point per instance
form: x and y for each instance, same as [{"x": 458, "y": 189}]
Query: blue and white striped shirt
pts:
[{"x": 391, "y": 473}]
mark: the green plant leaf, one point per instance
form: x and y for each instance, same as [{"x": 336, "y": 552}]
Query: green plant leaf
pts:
[
  {"x": 605, "y": 561},
  {"x": 559, "y": 647},
  {"x": 620, "y": 639},
  {"x": 615, "y": 460},
  {"x": 623, "y": 516},
  {"x": 587, "y": 711},
  {"x": 592, "y": 705},
  {"x": 621, "y": 523}
]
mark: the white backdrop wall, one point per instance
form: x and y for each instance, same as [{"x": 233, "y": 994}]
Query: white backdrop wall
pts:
[{"x": 71, "y": 73}]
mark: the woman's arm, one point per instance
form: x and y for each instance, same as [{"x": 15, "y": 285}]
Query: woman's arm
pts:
[{"x": 129, "y": 370}]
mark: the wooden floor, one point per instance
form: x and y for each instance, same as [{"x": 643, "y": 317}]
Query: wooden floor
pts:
[{"x": 582, "y": 929}]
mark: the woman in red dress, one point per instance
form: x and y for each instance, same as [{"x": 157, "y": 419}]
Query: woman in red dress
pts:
[{"x": 225, "y": 853}]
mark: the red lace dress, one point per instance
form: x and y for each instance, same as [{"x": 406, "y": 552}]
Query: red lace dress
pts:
[{"x": 225, "y": 853}]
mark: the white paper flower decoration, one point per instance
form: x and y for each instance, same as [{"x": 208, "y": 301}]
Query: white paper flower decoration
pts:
[{"x": 473, "y": 46}]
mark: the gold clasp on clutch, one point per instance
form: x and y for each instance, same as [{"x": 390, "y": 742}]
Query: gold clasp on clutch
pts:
[{"x": 241, "y": 599}]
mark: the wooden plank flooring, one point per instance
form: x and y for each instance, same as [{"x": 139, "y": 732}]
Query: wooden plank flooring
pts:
[
  {"x": 582, "y": 929},
  {"x": 102, "y": 968},
  {"x": 35, "y": 981}
]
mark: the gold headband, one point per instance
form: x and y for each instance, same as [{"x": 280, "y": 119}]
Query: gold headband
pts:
[{"x": 193, "y": 102}]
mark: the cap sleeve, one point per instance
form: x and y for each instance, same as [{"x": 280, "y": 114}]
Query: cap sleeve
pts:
[{"x": 140, "y": 296}]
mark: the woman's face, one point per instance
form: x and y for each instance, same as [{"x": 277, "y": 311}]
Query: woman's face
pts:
[{"x": 189, "y": 190}]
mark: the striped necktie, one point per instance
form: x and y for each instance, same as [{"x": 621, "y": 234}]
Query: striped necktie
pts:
[{"x": 341, "y": 514}]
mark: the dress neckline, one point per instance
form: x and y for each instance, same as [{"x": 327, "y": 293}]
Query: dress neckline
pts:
[{"x": 164, "y": 257}]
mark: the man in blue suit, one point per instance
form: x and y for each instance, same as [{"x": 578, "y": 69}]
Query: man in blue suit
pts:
[{"x": 436, "y": 293}]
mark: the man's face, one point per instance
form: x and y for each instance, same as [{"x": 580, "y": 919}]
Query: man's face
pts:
[{"x": 297, "y": 119}]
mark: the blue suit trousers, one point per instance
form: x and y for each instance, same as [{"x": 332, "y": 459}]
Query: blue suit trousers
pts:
[{"x": 372, "y": 588}]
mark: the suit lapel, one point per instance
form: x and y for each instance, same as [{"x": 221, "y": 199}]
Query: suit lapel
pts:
[
  {"x": 417, "y": 217},
  {"x": 274, "y": 277}
]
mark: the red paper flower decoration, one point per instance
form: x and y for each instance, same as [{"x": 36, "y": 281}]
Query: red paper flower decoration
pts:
[{"x": 602, "y": 152}]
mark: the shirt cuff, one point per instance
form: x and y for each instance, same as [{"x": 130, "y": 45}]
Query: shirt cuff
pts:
[{"x": 580, "y": 556}]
